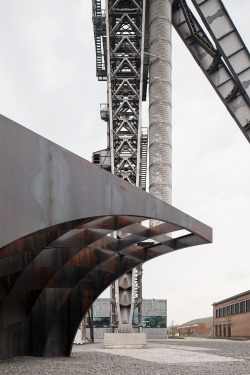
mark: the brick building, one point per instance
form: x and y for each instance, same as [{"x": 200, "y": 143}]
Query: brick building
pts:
[
  {"x": 199, "y": 327},
  {"x": 231, "y": 316}
]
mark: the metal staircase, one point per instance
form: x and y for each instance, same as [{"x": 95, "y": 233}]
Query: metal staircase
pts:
[{"x": 99, "y": 23}]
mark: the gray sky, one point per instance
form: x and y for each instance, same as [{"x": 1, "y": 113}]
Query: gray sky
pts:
[{"x": 48, "y": 84}]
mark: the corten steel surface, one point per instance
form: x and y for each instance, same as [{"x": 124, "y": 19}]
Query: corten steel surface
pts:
[{"x": 56, "y": 256}]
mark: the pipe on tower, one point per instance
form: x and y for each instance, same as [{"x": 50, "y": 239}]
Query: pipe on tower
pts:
[{"x": 160, "y": 101}]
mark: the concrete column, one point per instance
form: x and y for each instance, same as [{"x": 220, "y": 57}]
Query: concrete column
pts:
[{"x": 160, "y": 102}]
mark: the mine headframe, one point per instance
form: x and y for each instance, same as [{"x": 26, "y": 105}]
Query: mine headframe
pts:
[{"x": 119, "y": 34}]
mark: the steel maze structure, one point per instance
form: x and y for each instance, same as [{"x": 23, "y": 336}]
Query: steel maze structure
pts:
[{"x": 57, "y": 253}]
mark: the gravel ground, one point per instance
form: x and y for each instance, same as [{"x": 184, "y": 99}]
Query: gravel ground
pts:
[{"x": 189, "y": 356}]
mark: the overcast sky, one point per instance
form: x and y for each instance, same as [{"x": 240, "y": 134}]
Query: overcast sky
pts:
[{"x": 48, "y": 84}]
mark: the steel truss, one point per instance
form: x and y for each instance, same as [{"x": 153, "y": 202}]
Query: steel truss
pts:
[
  {"x": 122, "y": 58},
  {"x": 119, "y": 39},
  {"x": 220, "y": 52},
  {"x": 125, "y": 34}
]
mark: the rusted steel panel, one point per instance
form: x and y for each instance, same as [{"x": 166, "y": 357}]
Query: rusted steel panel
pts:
[
  {"x": 57, "y": 253},
  {"x": 49, "y": 185}
]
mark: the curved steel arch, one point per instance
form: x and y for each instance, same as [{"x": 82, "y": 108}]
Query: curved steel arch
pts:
[{"x": 57, "y": 255}]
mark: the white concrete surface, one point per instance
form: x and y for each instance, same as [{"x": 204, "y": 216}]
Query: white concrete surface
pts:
[
  {"x": 169, "y": 355},
  {"x": 125, "y": 340}
]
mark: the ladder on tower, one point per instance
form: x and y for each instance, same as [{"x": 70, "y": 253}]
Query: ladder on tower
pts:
[{"x": 144, "y": 152}]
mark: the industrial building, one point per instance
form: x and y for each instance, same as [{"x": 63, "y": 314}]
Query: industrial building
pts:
[
  {"x": 231, "y": 316},
  {"x": 198, "y": 327},
  {"x": 154, "y": 319}
]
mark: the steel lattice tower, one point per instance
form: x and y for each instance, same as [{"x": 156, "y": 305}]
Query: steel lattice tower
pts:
[
  {"x": 120, "y": 40},
  {"x": 125, "y": 53},
  {"x": 125, "y": 33},
  {"x": 133, "y": 42}
]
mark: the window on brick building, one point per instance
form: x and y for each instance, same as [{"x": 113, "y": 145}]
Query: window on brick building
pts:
[
  {"x": 224, "y": 330},
  {"x": 243, "y": 306},
  {"x": 217, "y": 313},
  {"x": 233, "y": 309},
  {"x": 229, "y": 310},
  {"x": 248, "y": 305},
  {"x": 216, "y": 330},
  {"x": 237, "y": 308},
  {"x": 221, "y": 313},
  {"x": 224, "y": 311}
]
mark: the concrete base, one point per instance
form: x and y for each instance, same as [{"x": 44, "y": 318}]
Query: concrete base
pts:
[{"x": 125, "y": 340}]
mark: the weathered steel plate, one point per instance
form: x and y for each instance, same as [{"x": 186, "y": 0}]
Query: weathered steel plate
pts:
[{"x": 57, "y": 253}]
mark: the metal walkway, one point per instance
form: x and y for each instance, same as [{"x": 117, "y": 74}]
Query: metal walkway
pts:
[{"x": 224, "y": 58}]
